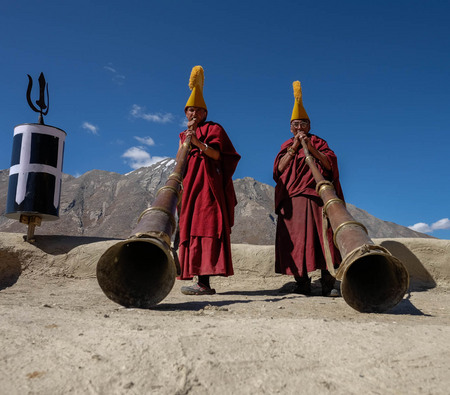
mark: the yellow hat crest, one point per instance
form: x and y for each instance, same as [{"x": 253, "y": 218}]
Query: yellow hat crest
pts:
[
  {"x": 298, "y": 111},
  {"x": 196, "y": 86}
]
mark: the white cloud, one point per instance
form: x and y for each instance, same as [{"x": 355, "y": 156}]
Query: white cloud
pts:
[
  {"x": 145, "y": 140},
  {"x": 139, "y": 112},
  {"x": 137, "y": 157},
  {"x": 90, "y": 127},
  {"x": 116, "y": 77},
  {"x": 421, "y": 227},
  {"x": 443, "y": 223},
  {"x": 111, "y": 69}
]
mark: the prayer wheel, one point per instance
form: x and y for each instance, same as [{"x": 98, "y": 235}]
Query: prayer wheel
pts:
[{"x": 34, "y": 187}]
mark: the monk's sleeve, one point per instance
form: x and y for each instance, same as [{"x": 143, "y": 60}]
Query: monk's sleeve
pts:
[
  {"x": 281, "y": 179},
  {"x": 283, "y": 150},
  {"x": 218, "y": 139}
]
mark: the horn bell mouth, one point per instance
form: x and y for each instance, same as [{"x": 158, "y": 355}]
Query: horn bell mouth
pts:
[
  {"x": 374, "y": 282},
  {"x": 137, "y": 272}
]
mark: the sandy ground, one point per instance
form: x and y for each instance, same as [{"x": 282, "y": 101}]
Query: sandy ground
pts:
[{"x": 60, "y": 334}]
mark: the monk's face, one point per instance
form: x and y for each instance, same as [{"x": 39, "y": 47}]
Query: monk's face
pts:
[
  {"x": 195, "y": 112},
  {"x": 300, "y": 126}
]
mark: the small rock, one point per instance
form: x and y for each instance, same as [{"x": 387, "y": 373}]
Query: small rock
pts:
[{"x": 128, "y": 385}]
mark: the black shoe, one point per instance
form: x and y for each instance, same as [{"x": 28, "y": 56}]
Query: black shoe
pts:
[
  {"x": 328, "y": 281},
  {"x": 197, "y": 289},
  {"x": 302, "y": 286}
]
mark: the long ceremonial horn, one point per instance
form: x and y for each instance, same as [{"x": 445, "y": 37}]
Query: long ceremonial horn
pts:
[
  {"x": 140, "y": 271},
  {"x": 372, "y": 280}
]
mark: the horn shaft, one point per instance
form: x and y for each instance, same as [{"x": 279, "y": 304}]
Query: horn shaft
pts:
[
  {"x": 372, "y": 280},
  {"x": 140, "y": 271}
]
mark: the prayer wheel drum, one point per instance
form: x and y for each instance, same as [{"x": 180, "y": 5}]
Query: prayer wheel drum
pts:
[
  {"x": 36, "y": 171},
  {"x": 35, "y": 175},
  {"x": 372, "y": 280},
  {"x": 140, "y": 271}
]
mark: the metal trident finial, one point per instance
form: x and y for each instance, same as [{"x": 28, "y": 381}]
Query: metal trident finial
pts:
[{"x": 41, "y": 102}]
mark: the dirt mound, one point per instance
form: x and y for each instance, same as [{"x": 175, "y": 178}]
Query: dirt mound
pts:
[{"x": 61, "y": 334}]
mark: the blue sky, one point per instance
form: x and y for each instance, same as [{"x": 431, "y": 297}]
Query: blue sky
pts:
[{"x": 375, "y": 78}]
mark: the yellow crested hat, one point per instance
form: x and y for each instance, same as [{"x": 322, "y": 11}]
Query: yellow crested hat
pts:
[
  {"x": 298, "y": 112},
  {"x": 196, "y": 86}
]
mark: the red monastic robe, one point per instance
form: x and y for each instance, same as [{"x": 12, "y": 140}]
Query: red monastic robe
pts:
[
  {"x": 299, "y": 243},
  {"x": 207, "y": 206}
]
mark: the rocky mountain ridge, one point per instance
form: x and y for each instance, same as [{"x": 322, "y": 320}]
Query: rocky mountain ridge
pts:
[{"x": 106, "y": 204}]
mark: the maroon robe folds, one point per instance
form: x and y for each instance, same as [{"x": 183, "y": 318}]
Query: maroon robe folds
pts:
[
  {"x": 299, "y": 243},
  {"x": 207, "y": 206}
]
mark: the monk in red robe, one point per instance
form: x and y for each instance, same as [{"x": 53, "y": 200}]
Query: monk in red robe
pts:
[
  {"x": 299, "y": 242},
  {"x": 208, "y": 200}
]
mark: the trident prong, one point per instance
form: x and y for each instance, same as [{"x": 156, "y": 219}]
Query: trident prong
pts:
[{"x": 43, "y": 86}]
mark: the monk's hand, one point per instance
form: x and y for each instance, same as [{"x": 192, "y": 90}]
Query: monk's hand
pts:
[
  {"x": 297, "y": 142},
  {"x": 304, "y": 137},
  {"x": 194, "y": 140}
]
